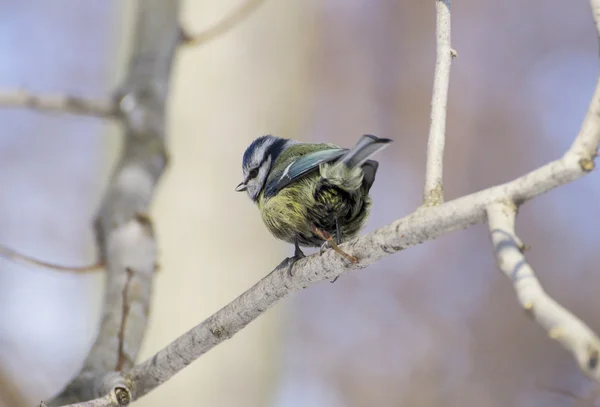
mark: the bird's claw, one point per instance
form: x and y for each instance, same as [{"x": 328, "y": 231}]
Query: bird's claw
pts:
[
  {"x": 289, "y": 262},
  {"x": 324, "y": 247}
]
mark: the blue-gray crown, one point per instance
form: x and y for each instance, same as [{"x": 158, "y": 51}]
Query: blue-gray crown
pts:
[{"x": 271, "y": 146}]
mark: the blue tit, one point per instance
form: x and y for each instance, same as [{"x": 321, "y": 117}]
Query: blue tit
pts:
[{"x": 311, "y": 194}]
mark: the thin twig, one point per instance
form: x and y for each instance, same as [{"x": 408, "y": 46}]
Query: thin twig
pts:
[
  {"x": 122, "y": 356},
  {"x": 59, "y": 103},
  {"x": 434, "y": 187},
  {"x": 560, "y": 324},
  {"x": 224, "y": 25},
  {"x": 17, "y": 257}
]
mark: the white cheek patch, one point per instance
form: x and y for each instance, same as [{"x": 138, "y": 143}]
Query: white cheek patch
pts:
[{"x": 264, "y": 168}]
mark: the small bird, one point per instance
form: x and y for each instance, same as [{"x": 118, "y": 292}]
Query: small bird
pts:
[{"x": 310, "y": 194}]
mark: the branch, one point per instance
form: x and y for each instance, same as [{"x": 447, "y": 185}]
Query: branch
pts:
[
  {"x": 560, "y": 324},
  {"x": 124, "y": 231},
  {"x": 117, "y": 397},
  {"x": 226, "y": 24},
  {"x": 17, "y": 257},
  {"x": 434, "y": 187},
  {"x": 59, "y": 103}
]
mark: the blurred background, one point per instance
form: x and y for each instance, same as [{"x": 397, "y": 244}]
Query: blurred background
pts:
[{"x": 435, "y": 325}]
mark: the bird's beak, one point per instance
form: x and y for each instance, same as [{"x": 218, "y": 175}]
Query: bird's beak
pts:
[{"x": 241, "y": 187}]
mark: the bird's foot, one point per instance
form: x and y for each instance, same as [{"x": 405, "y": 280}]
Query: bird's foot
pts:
[
  {"x": 330, "y": 243},
  {"x": 289, "y": 262}
]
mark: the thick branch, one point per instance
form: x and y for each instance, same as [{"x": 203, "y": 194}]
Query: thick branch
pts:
[
  {"x": 59, "y": 103},
  {"x": 560, "y": 324},
  {"x": 434, "y": 187}
]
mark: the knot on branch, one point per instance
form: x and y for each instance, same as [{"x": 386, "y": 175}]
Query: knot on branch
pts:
[
  {"x": 219, "y": 332},
  {"x": 145, "y": 221},
  {"x": 593, "y": 357},
  {"x": 587, "y": 164},
  {"x": 142, "y": 111},
  {"x": 123, "y": 396},
  {"x": 435, "y": 196}
]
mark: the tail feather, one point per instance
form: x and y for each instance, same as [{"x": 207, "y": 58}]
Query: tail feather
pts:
[
  {"x": 354, "y": 169},
  {"x": 366, "y": 146}
]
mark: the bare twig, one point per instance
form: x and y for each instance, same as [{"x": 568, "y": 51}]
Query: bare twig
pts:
[
  {"x": 434, "y": 187},
  {"x": 17, "y": 257},
  {"x": 226, "y": 24},
  {"x": 560, "y": 324},
  {"x": 59, "y": 103},
  {"x": 126, "y": 307}
]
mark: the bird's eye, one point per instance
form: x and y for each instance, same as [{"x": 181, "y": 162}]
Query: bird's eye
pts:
[{"x": 253, "y": 173}]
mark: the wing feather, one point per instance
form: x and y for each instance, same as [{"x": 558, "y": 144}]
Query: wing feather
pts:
[{"x": 302, "y": 166}]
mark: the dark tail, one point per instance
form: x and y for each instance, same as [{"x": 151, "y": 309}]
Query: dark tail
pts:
[{"x": 364, "y": 148}]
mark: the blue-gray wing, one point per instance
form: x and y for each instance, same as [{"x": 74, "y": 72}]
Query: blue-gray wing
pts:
[{"x": 300, "y": 167}]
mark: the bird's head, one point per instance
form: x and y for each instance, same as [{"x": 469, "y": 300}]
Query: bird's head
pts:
[{"x": 256, "y": 164}]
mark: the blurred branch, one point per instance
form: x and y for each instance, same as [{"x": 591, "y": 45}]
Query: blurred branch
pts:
[
  {"x": 560, "y": 324},
  {"x": 59, "y": 103},
  {"x": 124, "y": 231},
  {"x": 17, "y": 257},
  {"x": 226, "y": 24},
  {"x": 434, "y": 187}
]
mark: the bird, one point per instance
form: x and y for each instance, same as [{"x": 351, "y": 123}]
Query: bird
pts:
[{"x": 311, "y": 194}]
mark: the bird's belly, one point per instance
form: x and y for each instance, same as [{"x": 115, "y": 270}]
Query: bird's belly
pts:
[{"x": 291, "y": 214}]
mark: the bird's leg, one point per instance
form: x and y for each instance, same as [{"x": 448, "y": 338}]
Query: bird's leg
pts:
[
  {"x": 330, "y": 243},
  {"x": 338, "y": 238},
  {"x": 290, "y": 261}
]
